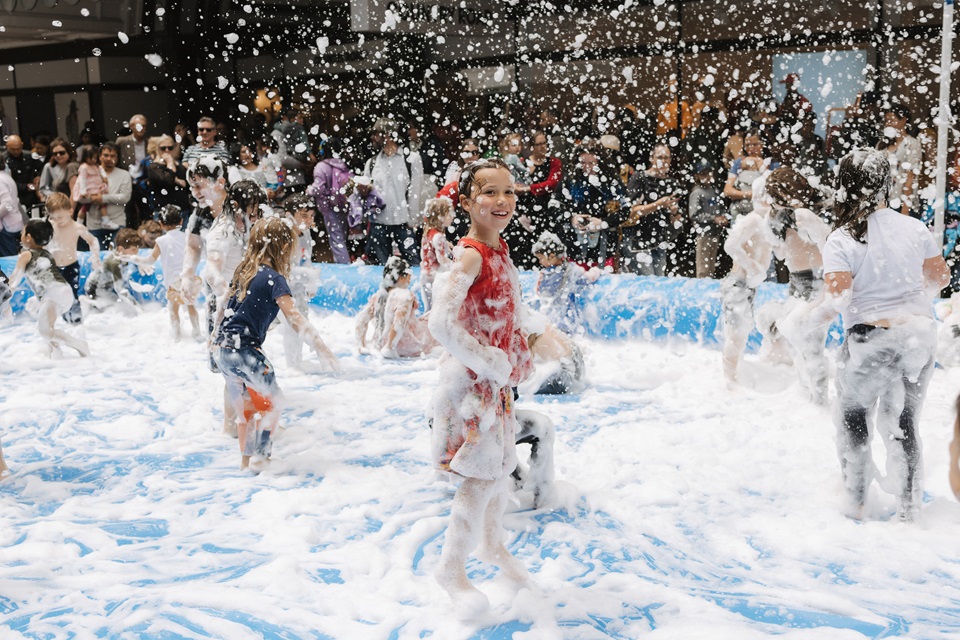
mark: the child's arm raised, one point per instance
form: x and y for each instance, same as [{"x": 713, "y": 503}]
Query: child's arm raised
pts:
[
  {"x": 308, "y": 333},
  {"x": 94, "y": 244},
  {"x": 486, "y": 361}
]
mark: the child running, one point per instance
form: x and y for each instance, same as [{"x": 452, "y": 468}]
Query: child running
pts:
[
  {"x": 476, "y": 319},
  {"x": 398, "y": 332},
  {"x": 66, "y": 233},
  {"x": 258, "y": 291},
  {"x": 436, "y": 254},
  {"x": 36, "y": 265}
]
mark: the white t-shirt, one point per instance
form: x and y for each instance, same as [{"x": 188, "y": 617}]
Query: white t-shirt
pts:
[
  {"x": 887, "y": 270},
  {"x": 225, "y": 238},
  {"x": 172, "y": 244}
]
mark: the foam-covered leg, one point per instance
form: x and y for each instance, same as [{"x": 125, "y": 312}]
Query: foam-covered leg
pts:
[
  {"x": 467, "y": 516},
  {"x": 536, "y": 430},
  {"x": 492, "y": 549}
]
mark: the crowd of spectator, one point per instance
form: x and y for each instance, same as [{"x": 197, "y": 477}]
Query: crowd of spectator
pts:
[{"x": 651, "y": 195}]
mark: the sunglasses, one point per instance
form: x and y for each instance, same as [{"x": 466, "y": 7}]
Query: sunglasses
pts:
[
  {"x": 165, "y": 148},
  {"x": 60, "y": 153},
  {"x": 204, "y": 129}
]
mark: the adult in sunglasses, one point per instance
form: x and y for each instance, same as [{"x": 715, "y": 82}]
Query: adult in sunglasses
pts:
[
  {"x": 207, "y": 145},
  {"x": 166, "y": 178},
  {"x": 60, "y": 173}
]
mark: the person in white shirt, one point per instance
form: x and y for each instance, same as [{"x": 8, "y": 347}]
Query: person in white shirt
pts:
[
  {"x": 882, "y": 271},
  {"x": 398, "y": 174}
]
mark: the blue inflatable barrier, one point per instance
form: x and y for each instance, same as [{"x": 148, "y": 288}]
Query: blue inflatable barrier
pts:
[{"x": 618, "y": 306}]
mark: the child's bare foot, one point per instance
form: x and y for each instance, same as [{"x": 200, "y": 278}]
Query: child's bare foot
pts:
[
  {"x": 244, "y": 463},
  {"x": 511, "y": 567},
  {"x": 468, "y": 601}
]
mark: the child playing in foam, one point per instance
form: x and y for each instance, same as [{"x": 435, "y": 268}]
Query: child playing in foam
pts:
[
  {"x": 436, "y": 254},
  {"x": 304, "y": 279},
  {"x": 37, "y": 267},
  {"x": 66, "y": 234},
  {"x": 397, "y": 331},
  {"x": 559, "y": 283},
  {"x": 258, "y": 291},
  {"x": 110, "y": 284},
  {"x": 750, "y": 246},
  {"x": 169, "y": 249},
  {"x": 476, "y": 319}
]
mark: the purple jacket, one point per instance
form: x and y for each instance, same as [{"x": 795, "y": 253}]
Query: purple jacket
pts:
[
  {"x": 364, "y": 209},
  {"x": 325, "y": 176}
]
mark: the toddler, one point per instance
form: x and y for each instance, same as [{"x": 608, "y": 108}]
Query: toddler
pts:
[
  {"x": 436, "y": 254},
  {"x": 37, "y": 267},
  {"x": 110, "y": 284},
  {"x": 90, "y": 182},
  {"x": 149, "y": 231}
]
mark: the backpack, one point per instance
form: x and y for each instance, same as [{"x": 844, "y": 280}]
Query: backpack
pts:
[{"x": 339, "y": 179}]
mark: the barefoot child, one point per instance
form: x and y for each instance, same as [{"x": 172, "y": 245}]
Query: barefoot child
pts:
[
  {"x": 258, "y": 291},
  {"x": 476, "y": 319},
  {"x": 436, "y": 254},
  {"x": 63, "y": 247},
  {"x": 36, "y": 265},
  {"x": 169, "y": 249},
  {"x": 398, "y": 332}
]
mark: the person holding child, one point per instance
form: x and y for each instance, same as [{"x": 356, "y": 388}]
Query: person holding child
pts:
[
  {"x": 258, "y": 292},
  {"x": 476, "y": 318},
  {"x": 90, "y": 182},
  {"x": 38, "y": 268}
]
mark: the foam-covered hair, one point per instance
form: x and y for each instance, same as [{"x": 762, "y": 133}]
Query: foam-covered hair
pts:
[
  {"x": 395, "y": 268},
  {"x": 549, "y": 244},
  {"x": 208, "y": 166}
]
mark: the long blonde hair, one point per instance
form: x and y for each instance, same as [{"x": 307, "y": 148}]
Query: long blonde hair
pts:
[{"x": 271, "y": 241}]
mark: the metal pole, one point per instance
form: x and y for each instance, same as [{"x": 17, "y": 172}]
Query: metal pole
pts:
[{"x": 943, "y": 119}]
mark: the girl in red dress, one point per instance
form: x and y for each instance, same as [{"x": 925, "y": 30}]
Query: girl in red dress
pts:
[
  {"x": 475, "y": 319},
  {"x": 435, "y": 251}
]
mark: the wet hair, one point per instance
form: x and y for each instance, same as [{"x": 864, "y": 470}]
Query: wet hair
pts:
[
  {"x": 468, "y": 177},
  {"x": 297, "y": 201},
  {"x": 789, "y": 189},
  {"x": 110, "y": 146},
  {"x": 271, "y": 239},
  {"x": 170, "y": 216},
  {"x": 241, "y": 196},
  {"x": 207, "y": 167},
  {"x": 60, "y": 142},
  {"x": 40, "y": 230},
  {"x": 549, "y": 244},
  {"x": 235, "y": 149},
  {"x": 57, "y": 201},
  {"x": 863, "y": 182},
  {"x": 150, "y": 226},
  {"x": 127, "y": 238},
  {"x": 436, "y": 211}
]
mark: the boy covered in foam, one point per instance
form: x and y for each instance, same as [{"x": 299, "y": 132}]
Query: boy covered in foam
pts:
[
  {"x": 109, "y": 284},
  {"x": 63, "y": 247},
  {"x": 559, "y": 284}
]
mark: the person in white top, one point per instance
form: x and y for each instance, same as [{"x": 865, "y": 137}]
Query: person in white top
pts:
[
  {"x": 882, "y": 271},
  {"x": 169, "y": 249},
  {"x": 398, "y": 174}
]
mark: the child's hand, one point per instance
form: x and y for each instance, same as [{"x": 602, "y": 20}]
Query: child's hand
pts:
[
  {"x": 326, "y": 357},
  {"x": 498, "y": 366}
]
